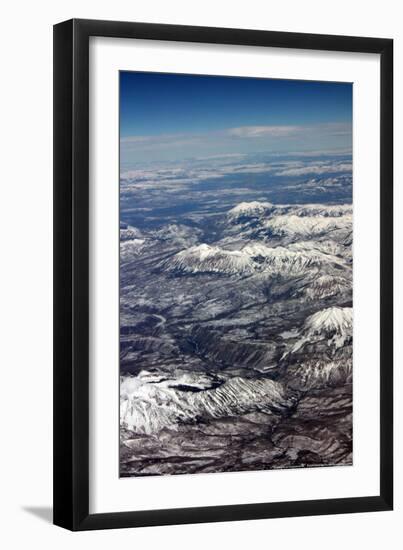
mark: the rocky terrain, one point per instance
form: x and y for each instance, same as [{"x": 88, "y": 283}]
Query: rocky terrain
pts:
[{"x": 236, "y": 329}]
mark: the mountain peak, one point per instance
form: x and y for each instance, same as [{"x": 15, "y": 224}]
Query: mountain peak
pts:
[
  {"x": 249, "y": 209},
  {"x": 331, "y": 320}
]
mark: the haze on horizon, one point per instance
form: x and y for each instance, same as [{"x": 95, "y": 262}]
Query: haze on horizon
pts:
[{"x": 171, "y": 117}]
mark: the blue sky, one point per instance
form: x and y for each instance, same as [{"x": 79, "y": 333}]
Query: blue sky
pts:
[{"x": 171, "y": 116}]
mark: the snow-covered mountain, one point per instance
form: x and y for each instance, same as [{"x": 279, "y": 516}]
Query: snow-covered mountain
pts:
[
  {"x": 293, "y": 225},
  {"x": 315, "y": 374},
  {"x": 290, "y": 259},
  {"x": 263, "y": 221},
  {"x": 151, "y": 403},
  {"x": 255, "y": 257},
  {"x": 253, "y": 208},
  {"x": 236, "y": 336},
  {"x": 128, "y": 233},
  {"x": 130, "y": 249},
  {"x": 266, "y": 209},
  {"x": 320, "y": 354},
  {"x": 210, "y": 259},
  {"x": 333, "y": 325},
  {"x": 178, "y": 234},
  {"x": 330, "y": 321},
  {"x": 326, "y": 210},
  {"x": 325, "y": 286},
  {"x": 131, "y": 242},
  {"x": 329, "y": 247}
]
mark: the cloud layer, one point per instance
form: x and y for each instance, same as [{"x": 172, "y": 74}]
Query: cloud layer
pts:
[{"x": 236, "y": 140}]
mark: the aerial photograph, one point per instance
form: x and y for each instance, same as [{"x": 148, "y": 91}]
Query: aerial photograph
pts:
[{"x": 236, "y": 274}]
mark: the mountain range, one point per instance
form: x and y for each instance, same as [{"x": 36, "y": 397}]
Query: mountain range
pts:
[{"x": 236, "y": 339}]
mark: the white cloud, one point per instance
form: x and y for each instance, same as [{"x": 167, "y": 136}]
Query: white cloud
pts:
[
  {"x": 322, "y": 168},
  {"x": 227, "y": 135},
  {"x": 263, "y": 131},
  {"x": 192, "y": 171},
  {"x": 188, "y": 174},
  {"x": 235, "y": 141},
  {"x": 135, "y": 139},
  {"x": 241, "y": 132},
  {"x": 318, "y": 153}
]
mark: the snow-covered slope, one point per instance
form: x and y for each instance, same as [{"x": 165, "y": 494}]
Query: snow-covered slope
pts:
[
  {"x": 317, "y": 374},
  {"x": 264, "y": 221},
  {"x": 131, "y": 248},
  {"x": 255, "y": 257},
  {"x": 131, "y": 242},
  {"x": 253, "y": 208},
  {"x": 322, "y": 354},
  {"x": 328, "y": 247},
  {"x": 333, "y": 324},
  {"x": 282, "y": 260},
  {"x": 267, "y": 209},
  {"x": 210, "y": 259},
  {"x": 294, "y": 225},
  {"x": 333, "y": 211},
  {"x": 128, "y": 233},
  {"x": 148, "y": 404},
  {"x": 325, "y": 286},
  {"x": 330, "y": 321},
  {"x": 177, "y": 234}
]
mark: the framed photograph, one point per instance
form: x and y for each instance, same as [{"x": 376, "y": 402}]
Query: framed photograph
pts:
[{"x": 223, "y": 240}]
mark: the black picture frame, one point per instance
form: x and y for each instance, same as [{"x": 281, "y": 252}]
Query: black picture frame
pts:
[{"x": 71, "y": 274}]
